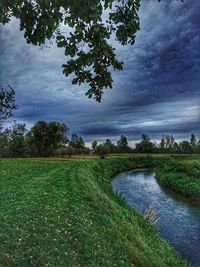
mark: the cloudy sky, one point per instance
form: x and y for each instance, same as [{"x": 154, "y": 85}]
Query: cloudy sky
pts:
[{"x": 157, "y": 92}]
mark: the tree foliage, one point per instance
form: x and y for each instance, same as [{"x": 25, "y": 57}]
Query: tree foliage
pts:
[
  {"x": 122, "y": 144},
  {"x": 110, "y": 145},
  {"x": 145, "y": 145},
  {"x": 102, "y": 150},
  {"x": 94, "y": 145},
  {"x": 77, "y": 143},
  {"x": 7, "y": 103},
  {"x": 44, "y": 138},
  {"x": 83, "y": 29},
  {"x": 16, "y": 139},
  {"x": 69, "y": 151},
  {"x": 193, "y": 140}
]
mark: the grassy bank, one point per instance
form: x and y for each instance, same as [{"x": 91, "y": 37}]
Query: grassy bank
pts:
[
  {"x": 57, "y": 213},
  {"x": 181, "y": 174}
]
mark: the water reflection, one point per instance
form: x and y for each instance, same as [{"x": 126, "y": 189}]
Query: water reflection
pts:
[{"x": 179, "y": 219}]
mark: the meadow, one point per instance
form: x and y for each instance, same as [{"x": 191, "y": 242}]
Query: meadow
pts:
[{"x": 61, "y": 212}]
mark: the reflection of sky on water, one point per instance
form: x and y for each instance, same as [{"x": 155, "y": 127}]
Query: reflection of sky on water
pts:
[{"x": 179, "y": 220}]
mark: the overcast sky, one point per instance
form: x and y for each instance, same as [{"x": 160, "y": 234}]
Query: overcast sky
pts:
[{"x": 157, "y": 92}]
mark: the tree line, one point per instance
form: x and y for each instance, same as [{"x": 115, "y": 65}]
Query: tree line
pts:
[
  {"x": 167, "y": 144},
  {"x": 47, "y": 139},
  {"x": 44, "y": 139}
]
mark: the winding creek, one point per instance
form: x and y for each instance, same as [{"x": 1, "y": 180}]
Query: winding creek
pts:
[{"x": 179, "y": 219}]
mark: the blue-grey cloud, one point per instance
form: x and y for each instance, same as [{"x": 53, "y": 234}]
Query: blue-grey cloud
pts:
[{"x": 157, "y": 92}]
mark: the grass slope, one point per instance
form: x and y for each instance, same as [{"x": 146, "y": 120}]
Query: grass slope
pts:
[
  {"x": 57, "y": 213},
  {"x": 181, "y": 174}
]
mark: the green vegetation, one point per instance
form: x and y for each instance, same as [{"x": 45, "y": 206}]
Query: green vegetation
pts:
[
  {"x": 7, "y": 103},
  {"x": 181, "y": 175},
  {"x": 87, "y": 28},
  {"x": 46, "y": 139},
  {"x": 64, "y": 213}
]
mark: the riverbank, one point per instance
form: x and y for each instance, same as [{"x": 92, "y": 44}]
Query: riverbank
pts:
[
  {"x": 181, "y": 175},
  {"x": 57, "y": 213},
  {"x": 141, "y": 191}
]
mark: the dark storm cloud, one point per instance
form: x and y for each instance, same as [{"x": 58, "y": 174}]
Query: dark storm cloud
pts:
[
  {"x": 100, "y": 131},
  {"x": 158, "y": 91},
  {"x": 176, "y": 117}
]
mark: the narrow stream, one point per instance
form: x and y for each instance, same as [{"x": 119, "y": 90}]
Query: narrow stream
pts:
[{"x": 179, "y": 220}]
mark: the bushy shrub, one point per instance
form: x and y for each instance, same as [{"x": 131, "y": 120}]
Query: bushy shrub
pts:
[
  {"x": 63, "y": 151},
  {"x": 102, "y": 150}
]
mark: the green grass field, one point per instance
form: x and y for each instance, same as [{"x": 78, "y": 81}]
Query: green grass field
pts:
[{"x": 64, "y": 213}]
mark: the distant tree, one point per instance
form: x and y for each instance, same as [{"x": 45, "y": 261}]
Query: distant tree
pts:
[
  {"x": 4, "y": 144},
  {"x": 110, "y": 145},
  {"x": 176, "y": 147},
  {"x": 61, "y": 152},
  {"x": 145, "y": 146},
  {"x": 69, "y": 151},
  {"x": 172, "y": 141},
  {"x": 94, "y": 145},
  {"x": 193, "y": 140},
  {"x": 122, "y": 144},
  {"x": 108, "y": 142},
  {"x": 86, "y": 150},
  {"x": 44, "y": 138},
  {"x": 77, "y": 143},
  {"x": 7, "y": 103},
  {"x": 16, "y": 140},
  {"x": 81, "y": 145},
  {"x": 31, "y": 147},
  {"x": 197, "y": 147},
  {"x": 102, "y": 150},
  {"x": 167, "y": 143},
  {"x": 162, "y": 143},
  {"x": 74, "y": 142},
  {"x": 185, "y": 147}
]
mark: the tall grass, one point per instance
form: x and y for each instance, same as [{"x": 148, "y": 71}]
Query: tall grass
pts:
[{"x": 181, "y": 175}]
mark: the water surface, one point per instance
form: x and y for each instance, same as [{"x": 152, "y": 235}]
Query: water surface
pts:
[{"x": 179, "y": 219}]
